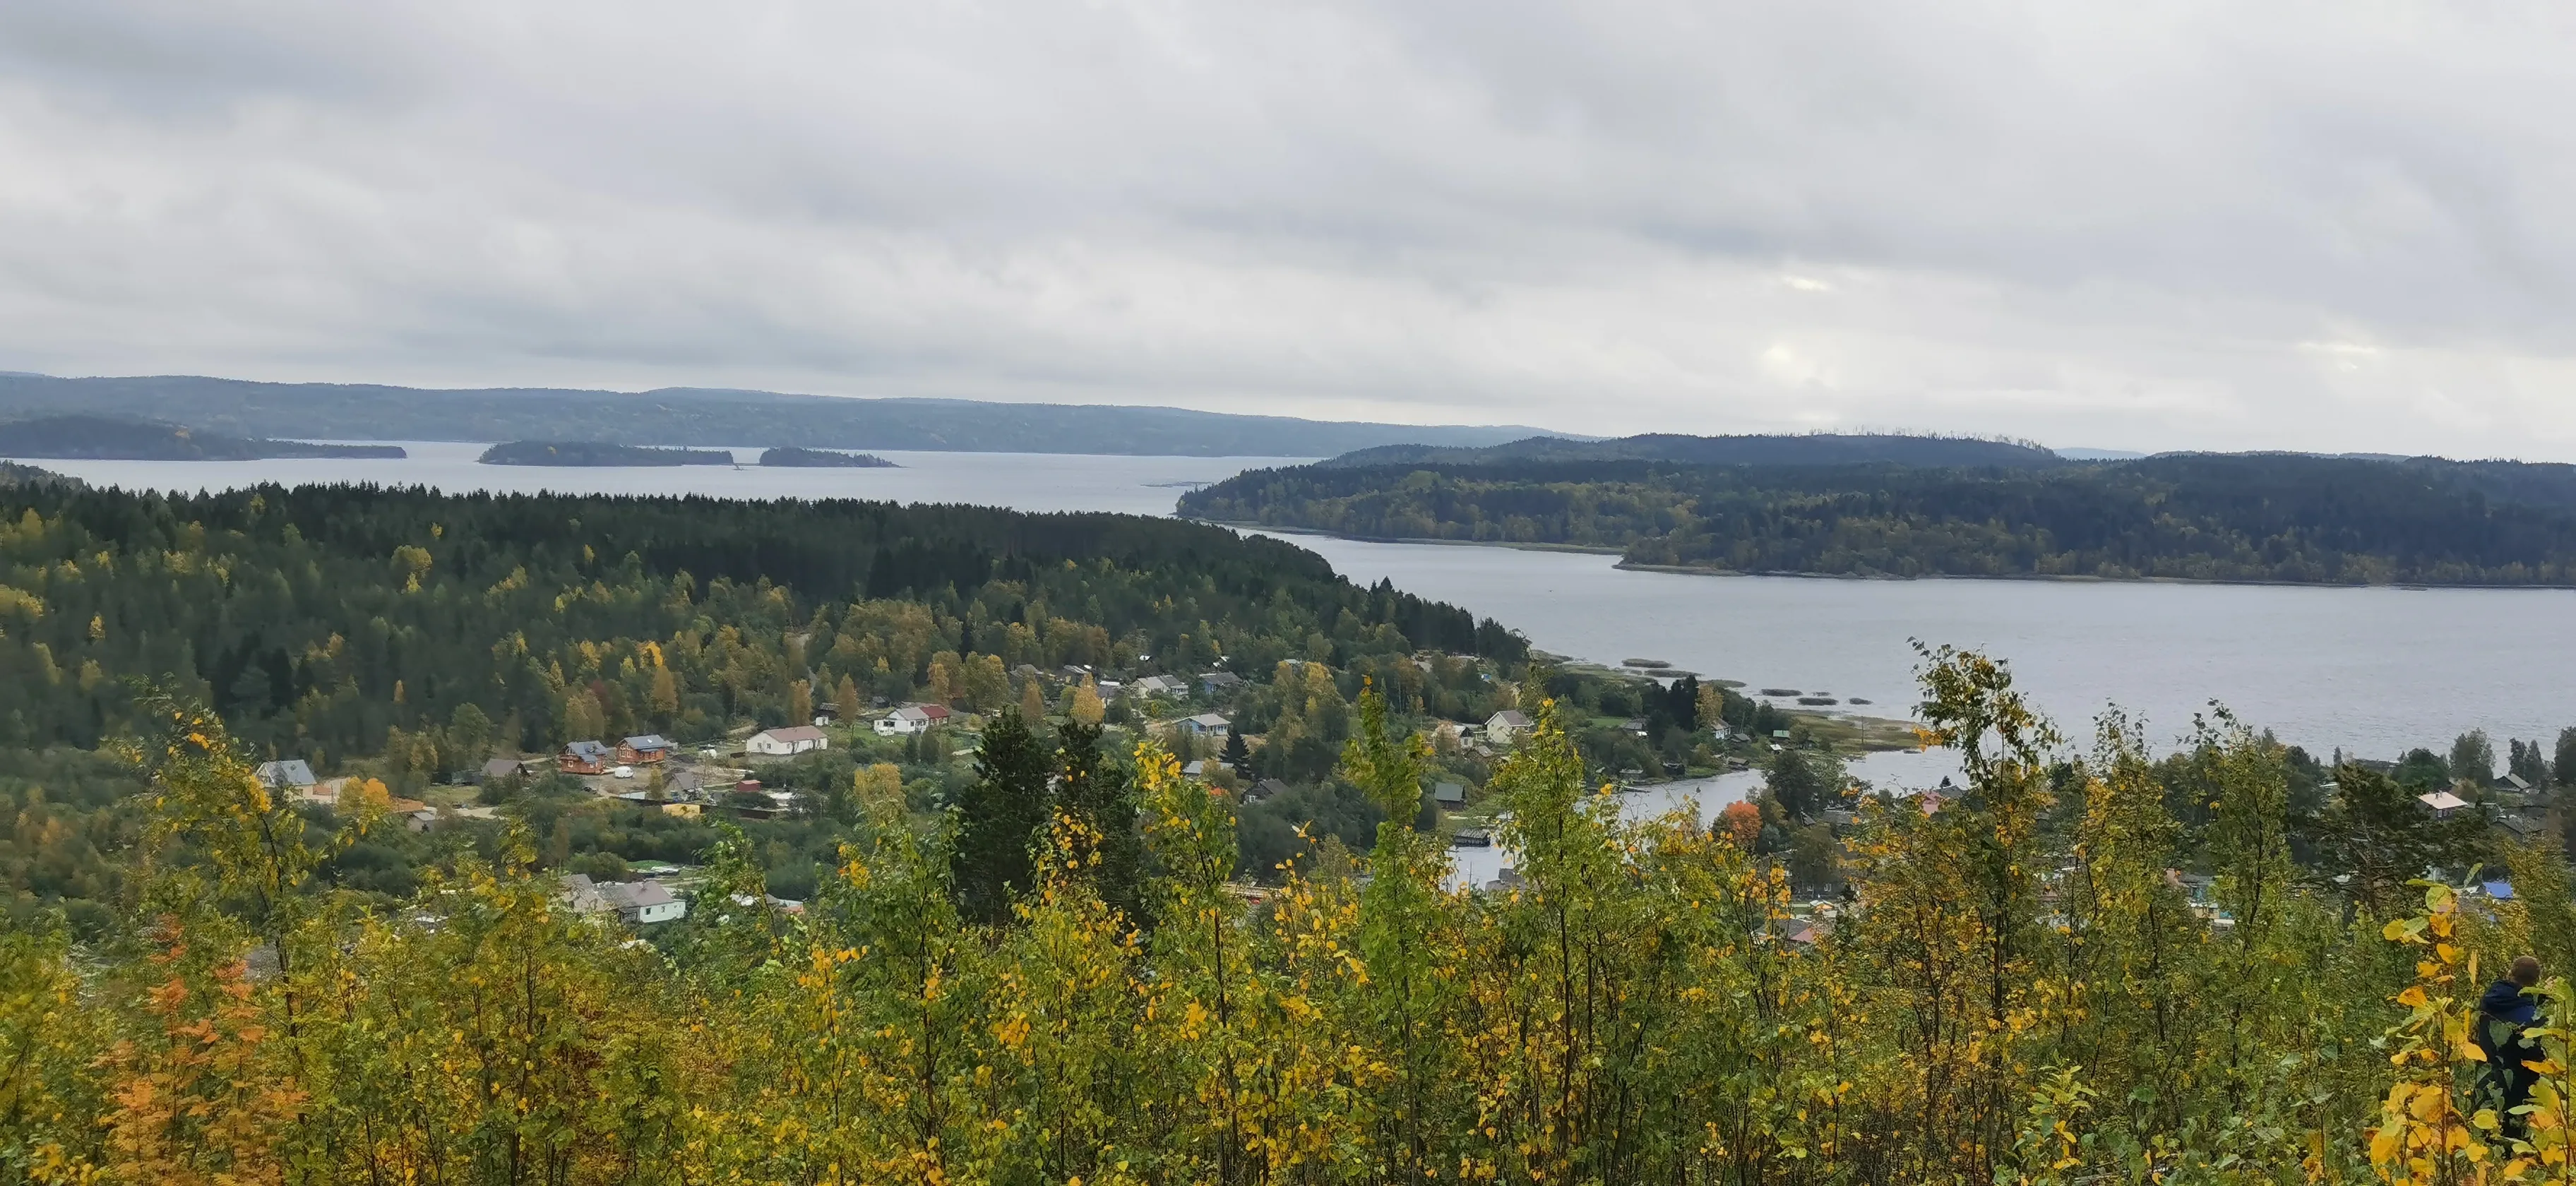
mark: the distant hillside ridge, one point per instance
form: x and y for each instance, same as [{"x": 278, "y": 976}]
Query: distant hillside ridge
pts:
[
  {"x": 2273, "y": 517},
  {"x": 755, "y": 419},
  {"x": 110, "y": 438},
  {"x": 1751, "y": 449}
]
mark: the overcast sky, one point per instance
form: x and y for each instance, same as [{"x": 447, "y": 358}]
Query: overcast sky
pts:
[{"x": 2338, "y": 225}]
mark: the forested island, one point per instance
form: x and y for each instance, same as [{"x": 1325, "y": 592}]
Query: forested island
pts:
[
  {"x": 107, "y": 438},
  {"x": 1115, "y": 851},
  {"x": 789, "y": 455},
  {"x": 2231, "y": 517},
  {"x": 598, "y": 453}
]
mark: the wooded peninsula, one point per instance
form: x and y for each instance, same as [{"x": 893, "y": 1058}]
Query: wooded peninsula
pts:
[{"x": 2232, "y": 517}]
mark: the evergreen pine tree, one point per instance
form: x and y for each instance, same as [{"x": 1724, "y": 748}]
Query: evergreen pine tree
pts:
[
  {"x": 1099, "y": 794},
  {"x": 1237, "y": 754},
  {"x": 1000, "y": 816}
]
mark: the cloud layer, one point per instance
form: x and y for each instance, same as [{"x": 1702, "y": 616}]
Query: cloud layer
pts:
[{"x": 2308, "y": 225}]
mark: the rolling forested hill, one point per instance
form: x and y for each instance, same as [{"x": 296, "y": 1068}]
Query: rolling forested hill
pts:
[
  {"x": 317, "y": 617},
  {"x": 1774, "y": 449},
  {"x": 2270, "y": 517}
]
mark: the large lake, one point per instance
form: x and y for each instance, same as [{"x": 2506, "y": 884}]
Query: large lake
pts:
[{"x": 2372, "y": 671}]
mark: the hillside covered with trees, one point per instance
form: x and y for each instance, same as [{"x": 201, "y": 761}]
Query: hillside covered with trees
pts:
[
  {"x": 406, "y": 636},
  {"x": 2081, "y": 966},
  {"x": 2262, "y": 517}
]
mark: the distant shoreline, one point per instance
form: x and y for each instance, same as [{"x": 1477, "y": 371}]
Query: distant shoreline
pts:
[
  {"x": 1697, "y": 571},
  {"x": 1582, "y": 549}
]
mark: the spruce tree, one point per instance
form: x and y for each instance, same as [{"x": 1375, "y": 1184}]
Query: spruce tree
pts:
[
  {"x": 1000, "y": 816},
  {"x": 1237, "y": 754},
  {"x": 1099, "y": 794}
]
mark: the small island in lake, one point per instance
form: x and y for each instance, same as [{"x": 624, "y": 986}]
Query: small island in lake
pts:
[
  {"x": 598, "y": 453},
  {"x": 790, "y": 455},
  {"x": 106, "y": 438}
]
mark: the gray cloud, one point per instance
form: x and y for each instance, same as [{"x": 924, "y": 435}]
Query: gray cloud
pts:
[{"x": 2285, "y": 225}]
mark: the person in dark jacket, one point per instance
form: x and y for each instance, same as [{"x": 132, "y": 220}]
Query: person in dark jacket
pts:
[{"x": 2503, "y": 1014}]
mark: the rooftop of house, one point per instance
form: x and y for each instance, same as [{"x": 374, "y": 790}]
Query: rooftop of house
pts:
[
  {"x": 648, "y": 742},
  {"x": 793, "y": 733},
  {"x": 590, "y": 750},
  {"x": 289, "y": 772}
]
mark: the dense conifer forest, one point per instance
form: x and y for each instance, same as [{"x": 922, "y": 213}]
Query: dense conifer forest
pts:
[{"x": 2241, "y": 517}]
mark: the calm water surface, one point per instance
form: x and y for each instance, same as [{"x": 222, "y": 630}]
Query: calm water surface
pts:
[
  {"x": 2371, "y": 670},
  {"x": 2374, "y": 671}
]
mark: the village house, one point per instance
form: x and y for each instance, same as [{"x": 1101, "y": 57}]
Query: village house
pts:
[
  {"x": 585, "y": 757},
  {"x": 1203, "y": 724},
  {"x": 505, "y": 768},
  {"x": 683, "y": 784},
  {"x": 911, "y": 719},
  {"x": 647, "y": 750},
  {"x": 633, "y": 902},
  {"x": 1161, "y": 685},
  {"x": 782, "y": 742},
  {"x": 1265, "y": 789},
  {"x": 1506, "y": 727},
  {"x": 2443, "y": 804},
  {"x": 1218, "y": 683},
  {"x": 1450, "y": 796},
  {"x": 289, "y": 774}
]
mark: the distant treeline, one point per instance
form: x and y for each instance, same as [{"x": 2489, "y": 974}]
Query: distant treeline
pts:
[
  {"x": 1815, "y": 448},
  {"x": 375, "y": 412},
  {"x": 113, "y": 439},
  {"x": 2266, "y": 517}
]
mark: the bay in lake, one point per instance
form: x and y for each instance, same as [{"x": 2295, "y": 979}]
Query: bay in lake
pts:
[{"x": 2371, "y": 670}]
